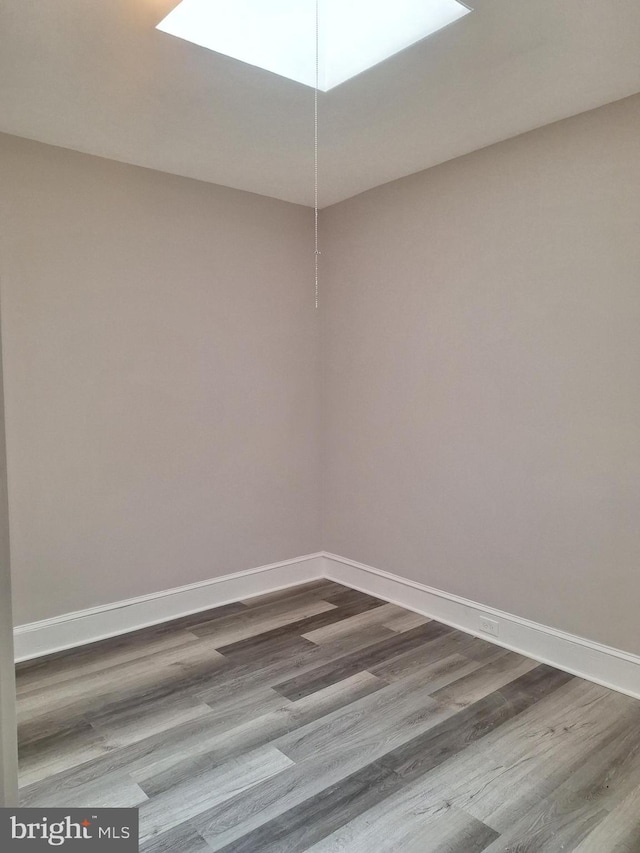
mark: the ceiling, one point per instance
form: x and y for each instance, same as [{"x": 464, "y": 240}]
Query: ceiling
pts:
[{"x": 98, "y": 77}]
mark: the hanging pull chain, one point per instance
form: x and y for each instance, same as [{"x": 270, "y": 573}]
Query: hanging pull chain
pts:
[{"x": 315, "y": 154}]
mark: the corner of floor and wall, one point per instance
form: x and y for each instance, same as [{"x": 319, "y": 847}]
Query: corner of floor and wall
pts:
[{"x": 456, "y": 429}]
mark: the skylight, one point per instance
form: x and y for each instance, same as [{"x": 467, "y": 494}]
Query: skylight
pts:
[{"x": 280, "y": 35}]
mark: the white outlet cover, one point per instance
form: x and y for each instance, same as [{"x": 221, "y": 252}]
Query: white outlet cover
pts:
[{"x": 489, "y": 626}]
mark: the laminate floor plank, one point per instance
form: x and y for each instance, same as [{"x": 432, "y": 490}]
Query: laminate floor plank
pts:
[
  {"x": 262, "y": 673},
  {"x": 133, "y": 641},
  {"x": 434, "y": 747},
  {"x": 343, "y": 596},
  {"x": 323, "y": 719},
  {"x": 159, "y": 777},
  {"x": 299, "y": 629},
  {"x": 128, "y": 725},
  {"x": 181, "y": 839},
  {"x": 347, "y": 665},
  {"x": 405, "y": 621},
  {"x": 352, "y": 624},
  {"x": 110, "y": 790},
  {"x": 190, "y": 797},
  {"x": 257, "y": 620},
  {"x": 327, "y": 751},
  {"x": 79, "y": 665},
  {"x": 390, "y": 714},
  {"x": 320, "y": 815},
  {"x": 143, "y": 693},
  {"x": 617, "y": 832},
  {"x": 405, "y": 664},
  {"x": 62, "y": 750},
  {"x": 317, "y": 817},
  {"x": 538, "y": 758},
  {"x": 257, "y": 671},
  {"x": 230, "y": 708},
  {"x": 139, "y": 675},
  {"x": 465, "y": 691},
  {"x": 514, "y": 767},
  {"x": 358, "y": 641},
  {"x": 391, "y": 826},
  {"x": 159, "y": 751},
  {"x": 439, "y": 673},
  {"x": 583, "y": 800}
]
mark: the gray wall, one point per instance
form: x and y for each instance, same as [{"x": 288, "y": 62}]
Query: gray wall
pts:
[
  {"x": 482, "y": 376},
  {"x": 161, "y": 379},
  {"x": 480, "y": 397},
  {"x": 8, "y": 745}
]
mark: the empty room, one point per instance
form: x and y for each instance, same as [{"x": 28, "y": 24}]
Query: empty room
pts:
[{"x": 320, "y": 426}]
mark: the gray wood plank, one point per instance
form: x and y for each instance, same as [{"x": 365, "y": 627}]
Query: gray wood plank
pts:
[
  {"x": 365, "y": 638},
  {"x": 405, "y": 664},
  {"x": 225, "y": 693},
  {"x": 347, "y": 665},
  {"x": 230, "y": 710},
  {"x": 231, "y": 707},
  {"x": 180, "y": 839},
  {"x": 257, "y": 620},
  {"x": 192, "y": 796},
  {"x": 351, "y": 624},
  {"x": 391, "y": 826},
  {"x": 62, "y": 750},
  {"x": 326, "y": 752},
  {"x": 466, "y": 690},
  {"x": 319, "y": 816},
  {"x": 298, "y": 629},
  {"x": 510, "y": 770},
  {"x": 386, "y": 731},
  {"x": 332, "y": 808},
  {"x": 345, "y": 596},
  {"x": 439, "y": 672},
  {"x": 541, "y": 747},
  {"x": 95, "y": 690},
  {"x": 159, "y": 776},
  {"x": 573, "y": 809},
  {"x": 405, "y": 621},
  {"x": 110, "y": 790},
  {"x": 131, "y": 640},
  {"x": 144, "y": 719},
  {"x": 79, "y": 665},
  {"x": 617, "y": 832},
  {"x": 473, "y": 722}
]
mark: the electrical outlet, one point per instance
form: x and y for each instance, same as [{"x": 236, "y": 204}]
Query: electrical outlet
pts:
[{"x": 489, "y": 626}]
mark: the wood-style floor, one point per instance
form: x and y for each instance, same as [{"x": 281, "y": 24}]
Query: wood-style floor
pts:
[{"x": 321, "y": 719}]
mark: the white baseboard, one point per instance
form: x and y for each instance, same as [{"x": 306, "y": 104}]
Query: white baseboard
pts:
[
  {"x": 595, "y": 662},
  {"x": 97, "y": 623}
]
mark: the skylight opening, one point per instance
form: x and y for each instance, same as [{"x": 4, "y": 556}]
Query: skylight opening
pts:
[{"x": 280, "y": 35}]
